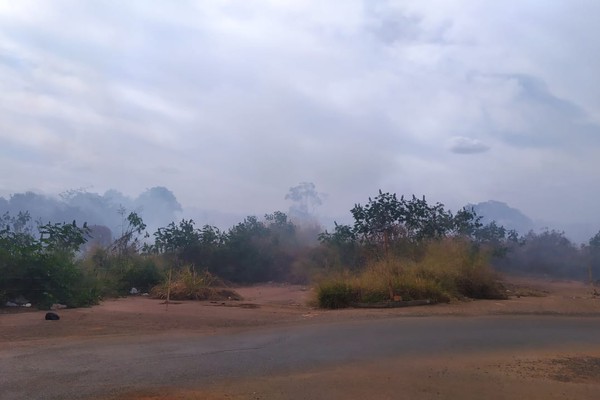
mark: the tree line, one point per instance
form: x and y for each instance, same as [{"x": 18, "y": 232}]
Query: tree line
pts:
[{"x": 43, "y": 262}]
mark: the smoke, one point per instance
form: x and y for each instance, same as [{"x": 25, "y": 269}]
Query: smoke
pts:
[{"x": 157, "y": 206}]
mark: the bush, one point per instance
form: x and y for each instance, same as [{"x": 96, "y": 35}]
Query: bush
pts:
[
  {"x": 385, "y": 280},
  {"x": 142, "y": 275},
  {"x": 374, "y": 295},
  {"x": 421, "y": 289},
  {"x": 114, "y": 275},
  {"x": 335, "y": 294},
  {"x": 480, "y": 285},
  {"x": 187, "y": 284},
  {"x": 461, "y": 269},
  {"x": 448, "y": 269}
]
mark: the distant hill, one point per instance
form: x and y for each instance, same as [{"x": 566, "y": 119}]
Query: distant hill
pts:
[{"x": 510, "y": 218}]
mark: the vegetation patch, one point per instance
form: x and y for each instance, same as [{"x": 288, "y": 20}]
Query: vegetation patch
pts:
[
  {"x": 397, "y": 250},
  {"x": 336, "y": 294},
  {"x": 450, "y": 269},
  {"x": 188, "y": 284}
]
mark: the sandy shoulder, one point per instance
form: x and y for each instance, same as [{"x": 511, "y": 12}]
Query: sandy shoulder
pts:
[
  {"x": 272, "y": 305},
  {"x": 561, "y": 373}
]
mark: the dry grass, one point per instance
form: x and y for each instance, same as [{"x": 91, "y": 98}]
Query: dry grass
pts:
[
  {"x": 187, "y": 284},
  {"x": 449, "y": 269}
]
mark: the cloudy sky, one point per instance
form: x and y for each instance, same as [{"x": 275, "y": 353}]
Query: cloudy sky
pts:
[{"x": 230, "y": 103}]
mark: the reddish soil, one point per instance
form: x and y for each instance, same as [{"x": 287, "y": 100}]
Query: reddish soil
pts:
[{"x": 564, "y": 373}]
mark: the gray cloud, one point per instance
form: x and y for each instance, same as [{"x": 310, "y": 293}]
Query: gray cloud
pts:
[
  {"x": 465, "y": 145},
  {"x": 229, "y": 105}
]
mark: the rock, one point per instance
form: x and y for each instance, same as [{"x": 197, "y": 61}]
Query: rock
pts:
[
  {"x": 57, "y": 306},
  {"x": 11, "y": 304},
  {"x": 50, "y": 316},
  {"x": 28, "y": 305},
  {"x": 20, "y": 300},
  {"x": 133, "y": 291}
]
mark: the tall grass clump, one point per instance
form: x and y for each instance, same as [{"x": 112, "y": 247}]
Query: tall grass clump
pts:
[
  {"x": 462, "y": 269},
  {"x": 336, "y": 293},
  {"x": 188, "y": 284},
  {"x": 447, "y": 269}
]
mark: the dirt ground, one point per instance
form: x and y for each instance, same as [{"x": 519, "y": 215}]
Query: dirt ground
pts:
[{"x": 564, "y": 373}]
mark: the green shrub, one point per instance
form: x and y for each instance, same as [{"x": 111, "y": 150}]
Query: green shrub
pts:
[
  {"x": 335, "y": 294},
  {"x": 143, "y": 274},
  {"x": 114, "y": 275},
  {"x": 367, "y": 295}
]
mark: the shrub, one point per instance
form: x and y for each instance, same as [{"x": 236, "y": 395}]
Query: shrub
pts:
[
  {"x": 450, "y": 268},
  {"x": 114, "y": 275},
  {"x": 335, "y": 294},
  {"x": 421, "y": 289},
  {"x": 187, "y": 284},
  {"x": 375, "y": 295},
  {"x": 142, "y": 275},
  {"x": 480, "y": 285}
]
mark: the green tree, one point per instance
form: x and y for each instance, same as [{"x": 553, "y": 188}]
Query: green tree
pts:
[
  {"x": 493, "y": 237},
  {"x": 386, "y": 220},
  {"x": 345, "y": 248},
  {"x": 423, "y": 221},
  {"x": 63, "y": 237},
  {"x": 466, "y": 222},
  {"x": 42, "y": 267},
  {"x": 380, "y": 222},
  {"x": 176, "y": 237}
]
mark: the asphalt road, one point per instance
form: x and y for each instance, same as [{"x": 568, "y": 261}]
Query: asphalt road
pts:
[{"x": 101, "y": 366}]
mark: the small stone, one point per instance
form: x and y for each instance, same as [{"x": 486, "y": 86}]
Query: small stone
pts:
[{"x": 50, "y": 316}]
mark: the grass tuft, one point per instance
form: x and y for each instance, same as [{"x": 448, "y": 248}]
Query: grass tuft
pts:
[{"x": 188, "y": 284}]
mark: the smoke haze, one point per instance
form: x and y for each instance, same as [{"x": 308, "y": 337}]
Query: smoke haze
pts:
[{"x": 229, "y": 104}]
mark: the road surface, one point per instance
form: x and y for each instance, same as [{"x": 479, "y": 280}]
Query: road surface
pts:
[{"x": 103, "y": 366}]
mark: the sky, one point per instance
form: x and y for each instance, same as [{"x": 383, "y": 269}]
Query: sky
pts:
[{"x": 230, "y": 103}]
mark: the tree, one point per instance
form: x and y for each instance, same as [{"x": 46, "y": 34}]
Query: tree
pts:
[
  {"x": 386, "y": 220},
  {"x": 423, "y": 221},
  {"x": 184, "y": 244},
  {"x": 280, "y": 226},
  {"x": 493, "y": 237},
  {"x": 176, "y": 237},
  {"x": 305, "y": 198},
  {"x": 158, "y": 205},
  {"x": 548, "y": 253},
  {"x": 63, "y": 237},
  {"x": 41, "y": 267},
  {"x": 131, "y": 230},
  {"x": 246, "y": 258},
  {"x": 345, "y": 250},
  {"x": 17, "y": 249},
  {"x": 380, "y": 221},
  {"x": 466, "y": 222}
]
